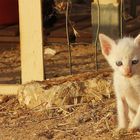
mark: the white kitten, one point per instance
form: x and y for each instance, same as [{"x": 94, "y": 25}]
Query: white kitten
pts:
[{"x": 124, "y": 57}]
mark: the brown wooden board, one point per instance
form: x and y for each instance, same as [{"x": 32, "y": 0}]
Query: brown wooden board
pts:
[
  {"x": 7, "y": 39},
  {"x": 12, "y": 30}
]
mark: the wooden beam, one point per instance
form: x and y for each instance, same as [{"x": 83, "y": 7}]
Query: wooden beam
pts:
[
  {"x": 9, "y": 89},
  {"x": 7, "y": 39},
  {"x": 106, "y": 1},
  {"x": 31, "y": 40},
  {"x": 10, "y": 31}
]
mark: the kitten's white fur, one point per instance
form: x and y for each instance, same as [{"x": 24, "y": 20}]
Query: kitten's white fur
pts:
[{"x": 126, "y": 77}]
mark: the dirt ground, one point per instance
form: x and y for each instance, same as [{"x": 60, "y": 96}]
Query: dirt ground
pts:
[{"x": 84, "y": 121}]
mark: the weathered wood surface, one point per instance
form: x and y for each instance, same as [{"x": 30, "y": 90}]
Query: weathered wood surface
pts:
[
  {"x": 12, "y": 30},
  {"x": 9, "y": 39},
  {"x": 75, "y": 89},
  {"x": 106, "y": 1},
  {"x": 31, "y": 40},
  {"x": 108, "y": 21}
]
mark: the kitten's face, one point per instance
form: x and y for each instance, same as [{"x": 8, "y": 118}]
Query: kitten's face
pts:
[{"x": 124, "y": 56}]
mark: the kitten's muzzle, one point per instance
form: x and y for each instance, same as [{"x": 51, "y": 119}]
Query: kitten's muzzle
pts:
[
  {"x": 128, "y": 75},
  {"x": 128, "y": 72}
]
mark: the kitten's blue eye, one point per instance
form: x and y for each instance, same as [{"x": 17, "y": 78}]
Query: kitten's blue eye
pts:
[
  {"x": 135, "y": 62},
  {"x": 119, "y": 63}
]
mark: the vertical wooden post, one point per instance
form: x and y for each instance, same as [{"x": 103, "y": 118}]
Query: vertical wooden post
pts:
[
  {"x": 31, "y": 43},
  {"x": 109, "y": 17}
]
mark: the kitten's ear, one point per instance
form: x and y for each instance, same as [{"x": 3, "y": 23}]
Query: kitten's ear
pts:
[
  {"x": 106, "y": 44},
  {"x": 137, "y": 40}
]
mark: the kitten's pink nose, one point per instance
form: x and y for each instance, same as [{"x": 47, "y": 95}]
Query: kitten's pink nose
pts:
[{"x": 127, "y": 72}]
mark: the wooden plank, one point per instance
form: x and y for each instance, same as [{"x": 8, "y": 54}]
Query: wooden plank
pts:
[
  {"x": 10, "y": 31},
  {"x": 55, "y": 40},
  {"x": 64, "y": 40},
  {"x": 60, "y": 34},
  {"x": 106, "y": 1},
  {"x": 31, "y": 40},
  {"x": 9, "y": 89},
  {"x": 6, "y": 39}
]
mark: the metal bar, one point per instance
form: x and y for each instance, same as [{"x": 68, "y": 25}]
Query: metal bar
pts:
[
  {"x": 97, "y": 34},
  {"x": 67, "y": 33}
]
